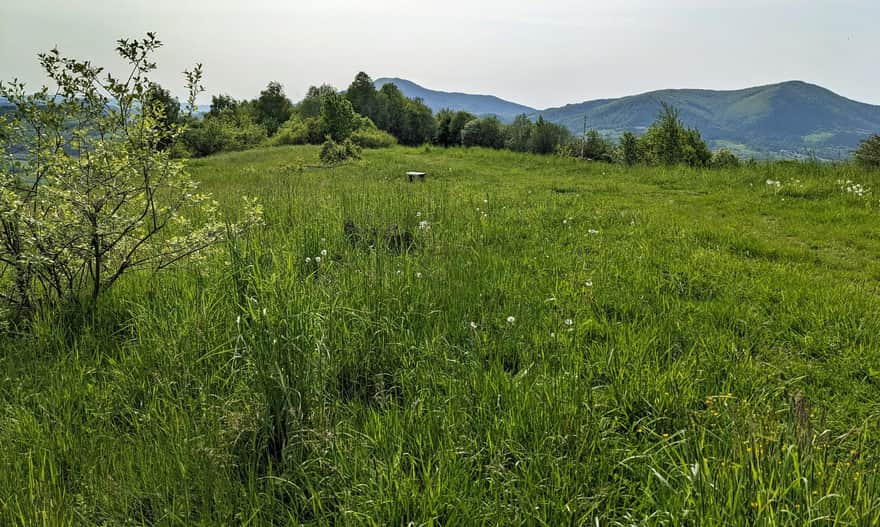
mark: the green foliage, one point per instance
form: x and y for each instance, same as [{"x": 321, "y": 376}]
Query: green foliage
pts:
[
  {"x": 310, "y": 106},
  {"x": 695, "y": 152},
  {"x": 592, "y": 146},
  {"x": 300, "y": 131},
  {"x": 373, "y": 138},
  {"x": 724, "y": 158},
  {"x": 229, "y": 126},
  {"x": 868, "y": 153},
  {"x": 333, "y": 153},
  {"x": 519, "y": 134},
  {"x": 546, "y": 137},
  {"x": 629, "y": 149},
  {"x": 166, "y": 108},
  {"x": 91, "y": 194},
  {"x": 338, "y": 117},
  {"x": 362, "y": 95},
  {"x": 667, "y": 142},
  {"x": 221, "y": 104},
  {"x": 449, "y": 127},
  {"x": 410, "y": 121},
  {"x": 486, "y": 132},
  {"x": 272, "y": 107}
]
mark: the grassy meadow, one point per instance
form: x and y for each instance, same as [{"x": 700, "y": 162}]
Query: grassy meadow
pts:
[{"x": 520, "y": 340}]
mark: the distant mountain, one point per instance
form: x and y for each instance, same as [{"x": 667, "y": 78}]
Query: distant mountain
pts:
[
  {"x": 476, "y": 104},
  {"x": 791, "y": 119}
]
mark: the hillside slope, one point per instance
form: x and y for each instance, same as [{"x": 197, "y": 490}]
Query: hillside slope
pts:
[
  {"x": 790, "y": 118},
  {"x": 475, "y": 104}
]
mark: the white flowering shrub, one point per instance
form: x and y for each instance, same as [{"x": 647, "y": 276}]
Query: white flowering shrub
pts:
[{"x": 86, "y": 193}]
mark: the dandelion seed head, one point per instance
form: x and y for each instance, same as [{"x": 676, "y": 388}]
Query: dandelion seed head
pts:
[
  {"x": 473, "y": 325},
  {"x": 511, "y": 320},
  {"x": 569, "y": 322},
  {"x": 317, "y": 259},
  {"x": 323, "y": 252}
]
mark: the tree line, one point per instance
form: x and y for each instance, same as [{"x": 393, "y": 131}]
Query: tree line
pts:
[{"x": 363, "y": 116}]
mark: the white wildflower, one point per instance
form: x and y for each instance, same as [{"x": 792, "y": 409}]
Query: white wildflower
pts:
[
  {"x": 593, "y": 231},
  {"x": 569, "y": 322},
  {"x": 473, "y": 325},
  {"x": 511, "y": 320},
  {"x": 324, "y": 252},
  {"x": 317, "y": 259}
]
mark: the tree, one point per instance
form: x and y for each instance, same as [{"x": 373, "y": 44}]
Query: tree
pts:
[
  {"x": 90, "y": 196},
  {"x": 629, "y": 150},
  {"x": 363, "y": 95},
  {"x": 486, "y": 132},
  {"x": 519, "y": 134},
  {"x": 310, "y": 106},
  {"x": 868, "y": 152},
  {"x": 695, "y": 152},
  {"x": 166, "y": 108},
  {"x": 547, "y": 137},
  {"x": 669, "y": 132},
  {"x": 338, "y": 117},
  {"x": 222, "y": 103},
  {"x": 668, "y": 142},
  {"x": 272, "y": 107}
]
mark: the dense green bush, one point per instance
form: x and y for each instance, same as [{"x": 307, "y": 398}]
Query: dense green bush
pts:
[
  {"x": 373, "y": 138},
  {"x": 724, "y": 158},
  {"x": 668, "y": 142},
  {"x": 298, "y": 131},
  {"x": 628, "y": 151},
  {"x": 868, "y": 153},
  {"x": 333, "y": 153},
  {"x": 227, "y": 131}
]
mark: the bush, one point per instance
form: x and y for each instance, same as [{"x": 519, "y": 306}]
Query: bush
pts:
[
  {"x": 333, "y": 153},
  {"x": 373, "y": 138},
  {"x": 868, "y": 153},
  {"x": 73, "y": 224},
  {"x": 724, "y": 158},
  {"x": 629, "y": 149},
  {"x": 221, "y": 134},
  {"x": 297, "y": 131}
]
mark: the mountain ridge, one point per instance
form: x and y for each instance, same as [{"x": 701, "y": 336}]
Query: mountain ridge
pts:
[{"x": 785, "y": 119}]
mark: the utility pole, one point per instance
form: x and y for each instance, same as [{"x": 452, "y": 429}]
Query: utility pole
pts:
[{"x": 584, "y": 138}]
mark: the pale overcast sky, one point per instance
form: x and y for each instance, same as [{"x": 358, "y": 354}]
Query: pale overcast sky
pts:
[{"x": 539, "y": 53}]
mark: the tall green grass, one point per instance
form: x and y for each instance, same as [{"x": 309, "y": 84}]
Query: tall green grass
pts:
[{"x": 559, "y": 343}]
